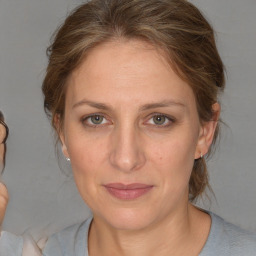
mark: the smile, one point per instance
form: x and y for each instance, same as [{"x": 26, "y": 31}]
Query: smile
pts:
[{"x": 128, "y": 192}]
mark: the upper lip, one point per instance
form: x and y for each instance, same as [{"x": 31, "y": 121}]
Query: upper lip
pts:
[{"x": 127, "y": 186}]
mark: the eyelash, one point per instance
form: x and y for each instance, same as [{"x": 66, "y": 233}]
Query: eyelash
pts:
[
  {"x": 85, "y": 119},
  {"x": 170, "y": 120}
]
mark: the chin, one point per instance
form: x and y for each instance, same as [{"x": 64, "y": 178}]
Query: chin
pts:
[{"x": 128, "y": 219}]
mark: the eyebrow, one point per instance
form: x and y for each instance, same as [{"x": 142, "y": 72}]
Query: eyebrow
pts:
[
  {"x": 103, "y": 106},
  {"x": 92, "y": 104},
  {"x": 163, "y": 104}
]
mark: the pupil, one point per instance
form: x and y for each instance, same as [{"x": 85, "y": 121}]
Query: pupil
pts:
[
  {"x": 97, "y": 119},
  {"x": 159, "y": 119}
]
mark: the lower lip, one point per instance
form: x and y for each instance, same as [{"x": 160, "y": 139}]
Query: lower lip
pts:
[{"x": 128, "y": 194}]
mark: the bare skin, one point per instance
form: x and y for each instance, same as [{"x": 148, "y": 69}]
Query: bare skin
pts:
[
  {"x": 130, "y": 119},
  {"x": 185, "y": 235}
]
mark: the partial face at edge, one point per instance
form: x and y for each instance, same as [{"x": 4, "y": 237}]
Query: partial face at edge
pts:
[
  {"x": 129, "y": 119},
  {"x": 3, "y": 134}
]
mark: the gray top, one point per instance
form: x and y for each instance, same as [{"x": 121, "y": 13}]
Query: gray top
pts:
[
  {"x": 224, "y": 239},
  {"x": 10, "y": 245}
]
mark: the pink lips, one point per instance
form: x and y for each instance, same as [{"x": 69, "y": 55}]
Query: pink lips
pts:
[{"x": 127, "y": 192}]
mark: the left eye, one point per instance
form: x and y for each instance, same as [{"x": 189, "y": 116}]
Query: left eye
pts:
[{"x": 160, "y": 120}]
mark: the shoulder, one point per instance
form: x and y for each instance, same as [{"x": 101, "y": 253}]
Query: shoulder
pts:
[
  {"x": 70, "y": 241},
  {"x": 228, "y": 239}
]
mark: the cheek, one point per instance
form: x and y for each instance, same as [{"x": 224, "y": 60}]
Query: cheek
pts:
[
  {"x": 174, "y": 160},
  {"x": 85, "y": 151},
  {"x": 84, "y": 166},
  {"x": 174, "y": 151},
  {"x": 87, "y": 158}
]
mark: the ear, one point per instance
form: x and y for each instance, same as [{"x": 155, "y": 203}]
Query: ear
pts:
[
  {"x": 207, "y": 132},
  {"x": 63, "y": 145},
  {"x": 60, "y": 132}
]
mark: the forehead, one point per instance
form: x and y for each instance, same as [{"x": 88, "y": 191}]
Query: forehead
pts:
[
  {"x": 127, "y": 68},
  {"x": 126, "y": 55}
]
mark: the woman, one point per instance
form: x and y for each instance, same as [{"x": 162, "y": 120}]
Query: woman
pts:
[{"x": 132, "y": 91}]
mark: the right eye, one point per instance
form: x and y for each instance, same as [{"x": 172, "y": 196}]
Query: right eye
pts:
[
  {"x": 160, "y": 119},
  {"x": 95, "y": 120}
]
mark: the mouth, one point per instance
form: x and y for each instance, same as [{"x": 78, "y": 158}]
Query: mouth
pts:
[{"x": 129, "y": 191}]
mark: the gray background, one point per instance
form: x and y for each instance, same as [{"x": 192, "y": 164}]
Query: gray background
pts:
[{"x": 43, "y": 198}]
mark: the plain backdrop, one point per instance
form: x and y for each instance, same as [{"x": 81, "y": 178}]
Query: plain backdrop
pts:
[{"x": 42, "y": 197}]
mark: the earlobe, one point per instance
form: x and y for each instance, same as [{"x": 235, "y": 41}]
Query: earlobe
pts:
[
  {"x": 64, "y": 148},
  {"x": 63, "y": 145},
  {"x": 61, "y": 135},
  {"x": 207, "y": 132}
]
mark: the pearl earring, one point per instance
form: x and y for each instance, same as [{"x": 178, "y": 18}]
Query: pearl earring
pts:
[{"x": 68, "y": 159}]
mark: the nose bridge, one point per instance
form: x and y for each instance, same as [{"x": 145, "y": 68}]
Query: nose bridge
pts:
[{"x": 127, "y": 151}]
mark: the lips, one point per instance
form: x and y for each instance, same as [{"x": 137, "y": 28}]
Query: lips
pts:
[{"x": 129, "y": 191}]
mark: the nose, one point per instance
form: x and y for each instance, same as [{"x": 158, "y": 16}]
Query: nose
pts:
[{"x": 126, "y": 149}]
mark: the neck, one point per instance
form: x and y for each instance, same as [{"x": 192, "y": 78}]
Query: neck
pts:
[{"x": 177, "y": 234}]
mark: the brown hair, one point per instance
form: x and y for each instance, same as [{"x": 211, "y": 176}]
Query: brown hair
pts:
[{"x": 175, "y": 26}]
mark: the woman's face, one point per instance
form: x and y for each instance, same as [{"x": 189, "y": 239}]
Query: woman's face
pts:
[{"x": 132, "y": 132}]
